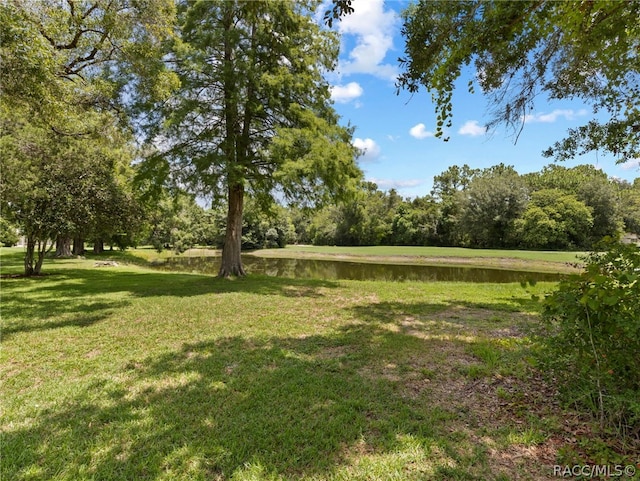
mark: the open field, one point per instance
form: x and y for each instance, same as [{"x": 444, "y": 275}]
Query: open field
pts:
[{"x": 125, "y": 373}]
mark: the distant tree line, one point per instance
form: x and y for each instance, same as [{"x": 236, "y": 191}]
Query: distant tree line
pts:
[{"x": 557, "y": 208}]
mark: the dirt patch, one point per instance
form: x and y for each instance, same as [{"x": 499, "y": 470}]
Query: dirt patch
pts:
[
  {"x": 334, "y": 352},
  {"x": 488, "y": 407}
]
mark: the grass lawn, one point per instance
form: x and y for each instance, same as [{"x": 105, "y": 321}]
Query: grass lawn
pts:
[
  {"x": 125, "y": 373},
  {"x": 541, "y": 261}
]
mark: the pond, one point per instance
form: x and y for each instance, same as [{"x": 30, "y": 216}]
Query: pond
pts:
[{"x": 334, "y": 270}]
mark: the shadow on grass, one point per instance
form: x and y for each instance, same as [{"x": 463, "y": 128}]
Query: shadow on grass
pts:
[
  {"x": 464, "y": 313},
  {"x": 240, "y": 408},
  {"x": 88, "y": 295},
  {"x": 85, "y": 318}
]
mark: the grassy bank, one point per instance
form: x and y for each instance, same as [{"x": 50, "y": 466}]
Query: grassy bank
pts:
[
  {"x": 540, "y": 261},
  {"x": 126, "y": 373}
]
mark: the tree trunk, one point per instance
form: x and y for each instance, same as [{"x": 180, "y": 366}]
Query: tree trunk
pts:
[
  {"x": 63, "y": 246},
  {"x": 42, "y": 250},
  {"x": 231, "y": 261},
  {"x": 29, "y": 256},
  {"x": 33, "y": 267},
  {"x": 78, "y": 246},
  {"x": 98, "y": 246}
]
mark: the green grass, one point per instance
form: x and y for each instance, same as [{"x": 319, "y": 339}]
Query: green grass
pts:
[
  {"x": 540, "y": 261},
  {"x": 550, "y": 256},
  {"x": 125, "y": 373}
]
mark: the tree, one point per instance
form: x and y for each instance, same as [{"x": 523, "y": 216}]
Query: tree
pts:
[
  {"x": 266, "y": 228},
  {"x": 8, "y": 233},
  {"x": 589, "y": 185},
  {"x": 415, "y": 222},
  {"x": 521, "y": 50},
  {"x": 173, "y": 220},
  {"x": 491, "y": 203},
  {"x": 630, "y": 206},
  {"x": 554, "y": 220},
  {"x": 446, "y": 189},
  {"x": 253, "y": 113}
]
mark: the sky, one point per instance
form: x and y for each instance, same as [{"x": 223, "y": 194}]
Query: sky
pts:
[{"x": 395, "y": 131}]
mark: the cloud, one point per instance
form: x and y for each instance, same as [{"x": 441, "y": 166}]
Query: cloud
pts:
[
  {"x": 472, "y": 128},
  {"x": 370, "y": 149},
  {"x": 395, "y": 184},
  {"x": 420, "y": 132},
  {"x": 346, "y": 93},
  {"x": 631, "y": 164},
  {"x": 567, "y": 114},
  {"x": 373, "y": 28}
]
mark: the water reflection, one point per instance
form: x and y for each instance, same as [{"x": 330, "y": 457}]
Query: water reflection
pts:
[{"x": 334, "y": 270}]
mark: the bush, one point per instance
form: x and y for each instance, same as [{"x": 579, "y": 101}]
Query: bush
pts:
[
  {"x": 592, "y": 341},
  {"x": 8, "y": 235}
]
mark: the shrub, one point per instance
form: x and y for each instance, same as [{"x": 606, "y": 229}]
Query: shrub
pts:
[
  {"x": 8, "y": 236},
  {"x": 592, "y": 341}
]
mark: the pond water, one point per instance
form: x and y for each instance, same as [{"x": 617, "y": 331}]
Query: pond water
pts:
[{"x": 334, "y": 270}]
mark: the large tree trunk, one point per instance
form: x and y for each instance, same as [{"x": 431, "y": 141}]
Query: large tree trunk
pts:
[
  {"x": 78, "y": 246},
  {"x": 98, "y": 246},
  {"x": 231, "y": 261},
  {"x": 63, "y": 246}
]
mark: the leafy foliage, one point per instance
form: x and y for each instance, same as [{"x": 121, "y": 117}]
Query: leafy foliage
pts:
[
  {"x": 556, "y": 208},
  {"x": 491, "y": 204},
  {"x": 554, "y": 219},
  {"x": 67, "y": 68},
  {"x": 592, "y": 336},
  {"x": 8, "y": 235},
  {"x": 520, "y": 50},
  {"x": 71, "y": 186},
  {"x": 60, "y": 58},
  {"x": 630, "y": 206}
]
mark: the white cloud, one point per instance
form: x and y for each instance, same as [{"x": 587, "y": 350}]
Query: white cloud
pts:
[
  {"x": 395, "y": 184},
  {"x": 631, "y": 164},
  {"x": 472, "y": 128},
  {"x": 373, "y": 28},
  {"x": 567, "y": 114},
  {"x": 370, "y": 149},
  {"x": 420, "y": 132},
  {"x": 345, "y": 93}
]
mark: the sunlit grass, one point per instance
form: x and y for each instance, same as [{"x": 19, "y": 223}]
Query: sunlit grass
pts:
[{"x": 429, "y": 251}]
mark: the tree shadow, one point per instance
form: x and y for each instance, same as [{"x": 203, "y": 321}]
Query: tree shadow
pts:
[
  {"x": 235, "y": 408},
  {"x": 93, "y": 314},
  {"x": 465, "y": 314},
  {"x": 87, "y": 296}
]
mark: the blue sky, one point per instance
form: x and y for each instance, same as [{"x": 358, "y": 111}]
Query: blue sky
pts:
[{"x": 396, "y": 131}]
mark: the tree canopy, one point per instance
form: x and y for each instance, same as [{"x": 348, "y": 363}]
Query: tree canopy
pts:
[
  {"x": 61, "y": 58},
  {"x": 585, "y": 50}
]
